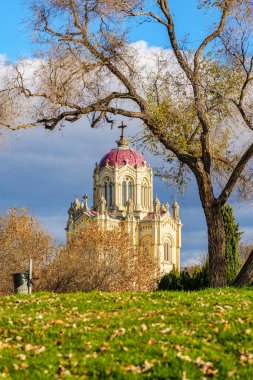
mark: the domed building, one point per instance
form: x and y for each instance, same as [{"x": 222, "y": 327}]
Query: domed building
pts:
[{"x": 123, "y": 196}]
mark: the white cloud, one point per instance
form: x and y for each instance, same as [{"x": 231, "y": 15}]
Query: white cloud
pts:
[{"x": 3, "y": 59}]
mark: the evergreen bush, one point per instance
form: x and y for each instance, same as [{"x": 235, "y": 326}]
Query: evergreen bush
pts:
[
  {"x": 170, "y": 281},
  {"x": 233, "y": 237},
  {"x": 199, "y": 279}
]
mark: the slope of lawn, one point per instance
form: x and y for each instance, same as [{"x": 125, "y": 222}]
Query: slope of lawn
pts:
[{"x": 161, "y": 335}]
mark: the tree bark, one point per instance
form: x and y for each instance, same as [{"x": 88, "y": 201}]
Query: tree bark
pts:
[
  {"x": 245, "y": 276},
  {"x": 216, "y": 246},
  {"x": 215, "y": 228}
]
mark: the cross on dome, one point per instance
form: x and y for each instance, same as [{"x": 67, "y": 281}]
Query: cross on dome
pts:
[
  {"x": 122, "y": 142},
  {"x": 122, "y": 154}
]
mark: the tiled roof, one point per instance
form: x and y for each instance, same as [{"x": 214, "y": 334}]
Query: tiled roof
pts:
[
  {"x": 151, "y": 215},
  {"x": 121, "y": 156}
]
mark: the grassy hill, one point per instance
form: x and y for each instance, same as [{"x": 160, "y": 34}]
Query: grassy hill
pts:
[{"x": 163, "y": 335}]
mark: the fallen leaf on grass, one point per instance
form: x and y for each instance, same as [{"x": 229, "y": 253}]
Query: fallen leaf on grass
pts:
[
  {"x": 40, "y": 350},
  {"x": 22, "y": 356},
  {"x": 94, "y": 355},
  {"x": 179, "y": 347},
  {"x": 120, "y": 331},
  {"x": 146, "y": 366},
  {"x": 133, "y": 368},
  {"x": 231, "y": 373},
  {"x": 55, "y": 322},
  {"x": 207, "y": 368},
  {"x": 37, "y": 349},
  {"x": 158, "y": 324},
  {"x": 152, "y": 341},
  {"x": 63, "y": 371},
  {"x": 168, "y": 330},
  {"x": 68, "y": 356},
  {"x": 185, "y": 358},
  {"x": 24, "y": 365},
  {"x": 143, "y": 327},
  {"x": 3, "y": 345},
  {"x": 104, "y": 347},
  {"x": 220, "y": 308},
  {"x": 29, "y": 347},
  {"x": 246, "y": 357}
]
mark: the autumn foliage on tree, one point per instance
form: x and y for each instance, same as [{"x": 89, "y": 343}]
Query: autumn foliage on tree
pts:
[
  {"x": 95, "y": 259},
  {"x": 21, "y": 238}
]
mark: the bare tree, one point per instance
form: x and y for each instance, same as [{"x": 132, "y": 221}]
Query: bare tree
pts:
[{"x": 193, "y": 115}]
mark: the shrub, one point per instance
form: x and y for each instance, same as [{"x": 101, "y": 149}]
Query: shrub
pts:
[
  {"x": 199, "y": 278},
  {"x": 195, "y": 279},
  {"x": 102, "y": 260},
  {"x": 170, "y": 281}
]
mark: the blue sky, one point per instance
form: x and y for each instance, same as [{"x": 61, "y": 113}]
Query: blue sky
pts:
[
  {"x": 15, "y": 37},
  {"x": 45, "y": 170}
]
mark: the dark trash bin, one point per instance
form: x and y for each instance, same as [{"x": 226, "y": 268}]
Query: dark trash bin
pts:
[{"x": 20, "y": 281}]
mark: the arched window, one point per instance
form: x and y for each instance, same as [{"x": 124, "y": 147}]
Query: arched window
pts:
[
  {"x": 106, "y": 192},
  {"x": 144, "y": 195},
  {"x": 167, "y": 251},
  {"x": 127, "y": 190},
  {"x": 110, "y": 194},
  {"x": 124, "y": 195},
  {"x": 108, "y": 189},
  {"x": 130, "y": 191}
]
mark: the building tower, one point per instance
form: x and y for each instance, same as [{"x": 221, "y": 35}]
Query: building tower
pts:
[{"x": 123, "y": 196}]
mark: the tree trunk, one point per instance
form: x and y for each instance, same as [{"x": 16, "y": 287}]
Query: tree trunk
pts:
[
  {"x": 245, "y": 276},
  {"x": 216, "y": 246}
]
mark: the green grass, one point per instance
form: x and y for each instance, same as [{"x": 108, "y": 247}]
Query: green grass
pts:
[{"x": 162, "y": 335}]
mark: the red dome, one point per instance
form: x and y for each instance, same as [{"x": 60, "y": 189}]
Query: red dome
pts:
[{"x": 121, "y": 156}]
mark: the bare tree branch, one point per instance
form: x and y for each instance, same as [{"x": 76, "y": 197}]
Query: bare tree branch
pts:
[
  {"x": 235, "y": 175},
  {"x": 211, "y": 37}
]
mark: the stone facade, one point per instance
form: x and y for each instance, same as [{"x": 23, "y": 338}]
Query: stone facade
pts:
[{"x": 123, "y": 196}]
